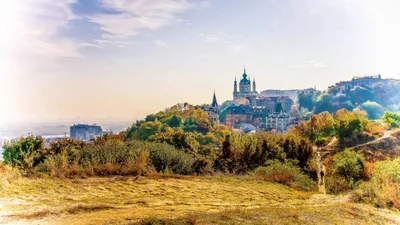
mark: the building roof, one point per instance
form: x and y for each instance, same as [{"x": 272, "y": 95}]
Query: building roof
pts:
[
  {"x": 85, "y": 125},
  {"x": 245, "y": 127},
  {"x": 241, "y": 109},
  {"x": 367, "y": 77}
]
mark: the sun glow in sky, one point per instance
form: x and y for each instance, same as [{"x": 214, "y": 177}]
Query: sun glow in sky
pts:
[{"x": 128, "y": 58}]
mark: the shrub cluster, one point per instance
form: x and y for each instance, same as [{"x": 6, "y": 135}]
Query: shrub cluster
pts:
[
  {"x": 241, "y": 154},
  {"x": 102, "y": 157},
  {"x": 111, "y": 155},
  {"x": 100, "y": 160},
  {"x": 345, "y": 171},
  {"x": 351, "y": 128},
  {"x": 383, "y": 189},
  {"x": 285, "y": 173}
]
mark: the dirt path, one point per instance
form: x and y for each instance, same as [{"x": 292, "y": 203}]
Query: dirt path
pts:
[
  {"x": 387, "y": 134},
  {"x": 321, "y": 172},
  {"x": 331, "y": 142}
]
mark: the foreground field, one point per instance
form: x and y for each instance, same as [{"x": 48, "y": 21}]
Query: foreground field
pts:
[{"x": 176, "y": 200}]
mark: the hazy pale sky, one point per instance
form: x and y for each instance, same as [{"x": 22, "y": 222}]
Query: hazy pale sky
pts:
[{"x": 128, "y": 58}]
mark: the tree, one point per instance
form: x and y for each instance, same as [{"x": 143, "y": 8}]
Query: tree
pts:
[
  {"x": 179, "y": 139},
  {"x": 349, "y": 123},
  {"x": 148, "y": 129},
  {"x": 307, "y": 100},
  {"x": 150, "y": 118},
  {"x": 278, "y": 108},
  {"x": 373, "y": 109},
  {"x": 391, "y": 119},
  {"x": 175, "y": 121},
  {"x": 327, "y": 123},
  {"x": 360, "y": 95},
  {"x": 324, "y": 103},
  {"x": 350, "y": 165}
]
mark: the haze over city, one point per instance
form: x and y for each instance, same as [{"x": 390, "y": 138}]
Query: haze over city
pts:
[{"x": 125, "y": 59}]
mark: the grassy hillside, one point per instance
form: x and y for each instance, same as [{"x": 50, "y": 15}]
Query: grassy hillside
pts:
[{"x": 175, "y": 200}]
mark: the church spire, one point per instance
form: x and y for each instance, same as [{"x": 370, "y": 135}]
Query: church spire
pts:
[
  {"x": 254, "y": 84},
  {"x": 214, "y": 103},
  {"x": 235, "y": 86}
]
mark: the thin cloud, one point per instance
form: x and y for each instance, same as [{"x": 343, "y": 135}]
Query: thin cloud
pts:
[
  {"x": 132, "y": 17},
  {"x": 36, "y": 29}
]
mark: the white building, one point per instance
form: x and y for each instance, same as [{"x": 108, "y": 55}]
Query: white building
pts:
[{"x": 278, "y": 121}]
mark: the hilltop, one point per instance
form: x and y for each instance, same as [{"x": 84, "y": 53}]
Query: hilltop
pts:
[{"x": 176, "y": 200}]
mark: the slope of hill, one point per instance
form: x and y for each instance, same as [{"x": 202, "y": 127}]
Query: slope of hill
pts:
[{"x": 176, "y": 200}]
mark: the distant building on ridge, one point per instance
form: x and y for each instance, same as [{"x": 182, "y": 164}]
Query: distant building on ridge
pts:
[{"x": 362, "y": 81}]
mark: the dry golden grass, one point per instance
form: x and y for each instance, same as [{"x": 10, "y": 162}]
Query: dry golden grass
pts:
[
  {"x": 338, "y": 214},
  {"x": 174, "y": 200}
]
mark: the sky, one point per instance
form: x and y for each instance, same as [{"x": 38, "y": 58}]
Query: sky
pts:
[{"x": 125, "y": 59}]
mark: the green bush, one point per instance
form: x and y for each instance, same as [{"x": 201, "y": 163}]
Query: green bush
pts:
[
  {"x": 336, "y": 184},
  {"x": 165, "y": 157},
  {"x": 391, "y": 119},
  {"x": 383, "y": 190},
  {"x": 25, "y": 153},
  {"x": 285, "y": 173},
  {"x": 350, "y": 165},
  {"x": 114, "y": 158}
]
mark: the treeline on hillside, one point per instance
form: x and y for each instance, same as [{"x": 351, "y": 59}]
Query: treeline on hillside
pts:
[
  {"x": 110, "y": 155},
  {"x": 373, "y": 100},
  {"x": 183, "y": 126},
  {"x": 180, "y": 140},
  {"x": 350, "y": 127}
]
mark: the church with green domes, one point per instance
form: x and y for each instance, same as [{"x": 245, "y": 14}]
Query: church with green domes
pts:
[{"x": 246, "y": 89}]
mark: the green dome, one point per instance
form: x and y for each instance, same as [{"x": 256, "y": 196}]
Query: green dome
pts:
[{"x": 244, "y": 80}]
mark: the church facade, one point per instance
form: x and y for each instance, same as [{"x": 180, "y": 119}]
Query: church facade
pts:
[{"x": 247, "y": 90}]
